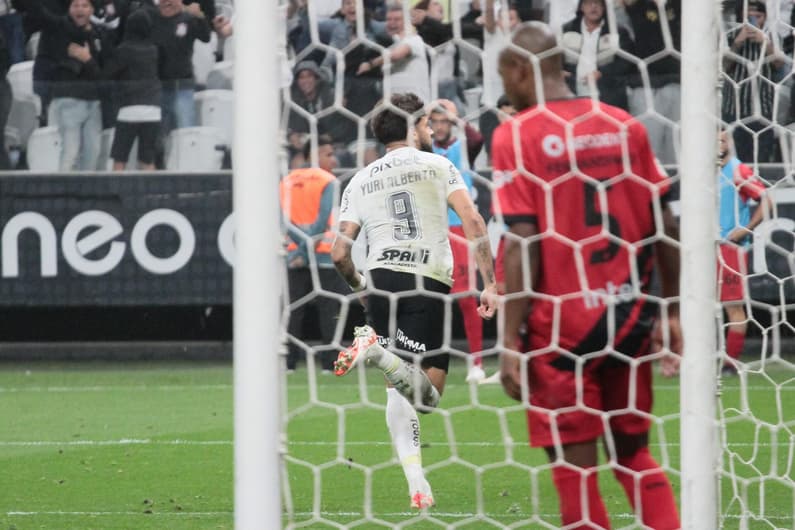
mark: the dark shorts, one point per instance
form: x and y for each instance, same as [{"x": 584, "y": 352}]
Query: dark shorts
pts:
[
  {"x": 416, "y": 322},
  {"x": 126, "y": 132}
]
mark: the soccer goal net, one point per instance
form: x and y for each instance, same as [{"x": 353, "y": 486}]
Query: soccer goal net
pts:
[{"x": 588, "y": 357}]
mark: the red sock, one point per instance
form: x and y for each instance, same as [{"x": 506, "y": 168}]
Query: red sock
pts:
[
  {"x": 657, "y": 504},
  {"x": 735, "y": 342},
  {"x": 473, "y": 326},
  {"x": 569, "y": 484}
]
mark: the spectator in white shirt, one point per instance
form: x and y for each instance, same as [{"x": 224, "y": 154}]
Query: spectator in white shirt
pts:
[
  {"x": 592, "y": 63},
  {"x": 407, "y": 68}
]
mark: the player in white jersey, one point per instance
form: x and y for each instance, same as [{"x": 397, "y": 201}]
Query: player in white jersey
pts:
[{"x": 401, "y": 203}]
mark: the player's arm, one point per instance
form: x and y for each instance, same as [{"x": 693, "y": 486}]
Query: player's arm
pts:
[
  {"x": 475, "y": 230},
  {"x": 750, "y": 188},
  {"x": 517, "y": 303},
  {"x": 667, "y": 251},
  {"x": 341, "y": 255},
  {"x": 489, "y": 20},
  {"x": 764, "y": 210}
]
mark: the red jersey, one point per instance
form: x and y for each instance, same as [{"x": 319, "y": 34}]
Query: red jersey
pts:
[{"x": 585, "y": 174}]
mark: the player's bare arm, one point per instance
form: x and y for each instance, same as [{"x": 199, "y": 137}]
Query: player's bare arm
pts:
[
  {"x": 341, "y": 254},
  {"x": 516, "y": 259},
  {"x": 763, "y": 211},
  {"x": 475, "y": 230},
  {"x": 667, "y": 251}
]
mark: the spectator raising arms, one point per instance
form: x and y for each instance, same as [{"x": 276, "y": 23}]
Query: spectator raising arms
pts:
[
  {"x": 749, "y": 91},
  {"x": 175, "y": 27},
  {"x": 361, "y": 89},
  {"x": 75, "y": 107},
  {"x": 407, "y": 70}
]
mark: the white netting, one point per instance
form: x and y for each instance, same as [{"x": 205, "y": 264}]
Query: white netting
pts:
[{"x": 340, "y": 468}]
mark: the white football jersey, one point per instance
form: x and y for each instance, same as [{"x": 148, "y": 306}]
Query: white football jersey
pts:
[{"x": 400, "y": 201}]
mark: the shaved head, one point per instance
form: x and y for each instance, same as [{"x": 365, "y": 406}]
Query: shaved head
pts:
[{"x": 532, "y": 39}]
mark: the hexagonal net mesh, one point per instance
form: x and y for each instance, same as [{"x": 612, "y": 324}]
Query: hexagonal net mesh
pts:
[{"x": 580, "y": 190}]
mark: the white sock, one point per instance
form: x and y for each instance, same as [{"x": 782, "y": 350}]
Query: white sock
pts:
[
  {"x": 406, "y": 377},
  {"x": 404, "y": 428}
]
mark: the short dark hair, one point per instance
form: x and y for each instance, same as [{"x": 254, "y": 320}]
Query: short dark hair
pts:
[
  {"x": 391, "y": 123},
  {"x": 323, "y": 139}
]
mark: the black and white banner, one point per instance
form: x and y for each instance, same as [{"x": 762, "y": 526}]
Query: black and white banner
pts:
[{"x": 116, "y": 240}]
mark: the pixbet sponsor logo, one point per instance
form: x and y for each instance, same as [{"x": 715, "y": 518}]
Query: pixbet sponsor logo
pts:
[
  {"x": 92, "y": 230},
  {"x": 554, "y": 146}
]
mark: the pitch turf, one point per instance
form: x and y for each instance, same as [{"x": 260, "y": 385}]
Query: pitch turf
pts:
[{"x": 149, "y": 446}]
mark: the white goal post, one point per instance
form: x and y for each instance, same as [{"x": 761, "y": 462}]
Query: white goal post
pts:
[
  {"x": 697, "y": 165},
  {"x": 274, "y": 436},
  {"x": 258, "y": 261}
]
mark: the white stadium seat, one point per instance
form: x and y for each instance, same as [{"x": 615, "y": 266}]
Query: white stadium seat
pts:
[
  {"x": 217, "y": 109},
  {"x": 44, "y": 149},
  {"x": 204, "y": 58},
  {"x": 222, "y": 76},
  {"x": 195, "y": 149},
  {"x": 23, "y": 117},
  {"x": 20, "y": 76}
]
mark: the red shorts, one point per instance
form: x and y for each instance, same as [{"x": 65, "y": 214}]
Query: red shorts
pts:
[
  {"x": 607, "y": 385},
  {"x": 499, "y": 270},
  {"x": 732, "y": 270},
  {"x": 460, "y": 247}
]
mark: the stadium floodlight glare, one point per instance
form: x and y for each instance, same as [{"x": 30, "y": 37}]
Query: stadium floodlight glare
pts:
[{"x": 256, "y": 299}]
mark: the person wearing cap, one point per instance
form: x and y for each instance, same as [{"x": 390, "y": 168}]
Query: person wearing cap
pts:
[
  {"x": 592, "y": 63},
  {"x": 751, "y": 103},
  {"x": 311, "y": 92}
]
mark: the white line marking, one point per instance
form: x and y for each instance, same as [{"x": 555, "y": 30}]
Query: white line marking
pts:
[
  {"x": 326, "y": 514},
  {"x": 293, "y": 386},
  {"x": 94, "y": 514},
  {"x": 295, "y": 443},
  {"x": 111, "y": 388}
]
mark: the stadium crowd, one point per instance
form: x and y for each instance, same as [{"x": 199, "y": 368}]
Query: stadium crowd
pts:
[{"x": 95, "y": 79}]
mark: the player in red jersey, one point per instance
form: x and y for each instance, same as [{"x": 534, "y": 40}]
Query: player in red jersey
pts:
[{"x": 584, "y": 198}]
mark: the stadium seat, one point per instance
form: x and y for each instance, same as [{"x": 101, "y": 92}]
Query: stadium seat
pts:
[
  {"x": 222, "y": 76},
  {"x": 44, "y": 149},
  {"x": 229, "y": 49},
  {"x": 216, "y": 109},
  {"x": 204, "y": 58},
  {"x": 195, "y": 149},
  {"x": 472, "y": 96},
  {"x": 20, "y": 76},
  {"x": 32, "y": 48},
  {"x": 24, "y": 117},
  {"x": 470, "y": 60}
]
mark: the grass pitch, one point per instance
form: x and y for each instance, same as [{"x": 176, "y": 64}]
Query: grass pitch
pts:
[{"x": 149, "y": 446}]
